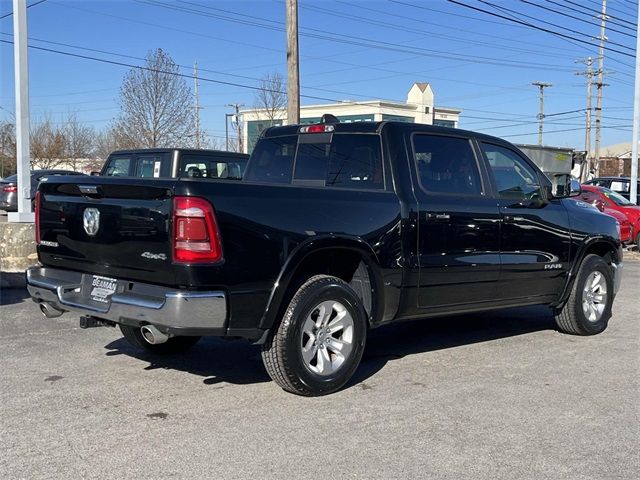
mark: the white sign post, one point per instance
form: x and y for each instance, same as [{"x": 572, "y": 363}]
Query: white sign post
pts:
[{"x": 24, "y": 213}]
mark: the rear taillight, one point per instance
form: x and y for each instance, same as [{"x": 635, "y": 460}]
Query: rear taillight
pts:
[
  {"x": 10, "y": 188},
  {"x": 196, "y": 238},
  {"x": 37, "y": 215}
]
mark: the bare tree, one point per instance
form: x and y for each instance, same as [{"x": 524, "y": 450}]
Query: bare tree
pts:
[
  {"x": 156, "y": 105},
  {"x": 110, "y": 140},
  {"x": 48, "y": 143},
  {"x": 7, "y": 148},
  {"x": 272, "y": 97},
  {"x": 80, "y": 141}
]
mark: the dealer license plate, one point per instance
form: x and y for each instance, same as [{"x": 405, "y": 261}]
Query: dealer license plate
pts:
[{"x": 102, "y": 288}]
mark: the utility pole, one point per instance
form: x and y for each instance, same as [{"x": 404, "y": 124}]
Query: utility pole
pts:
[
  {"x": 226, "y": 130},
  {"x": 236, "y": 106},
  {"x": 541, "y": 86},
  {"x": 197, "y": 104},
  {"x": 293, "y": 70},
  {"x": 24, "y": 213},
  {"x": 600, "y": 84},
  {"x": 584, "y": 171}
]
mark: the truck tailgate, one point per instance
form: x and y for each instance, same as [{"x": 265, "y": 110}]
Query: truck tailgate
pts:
[{"x": 116, "y": 227}]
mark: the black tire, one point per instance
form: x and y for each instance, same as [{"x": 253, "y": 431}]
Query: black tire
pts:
[
  {"x": 172, "y": 345},
  {"x": 282, "y": 353},
  {"x": 572, "y": 318}
]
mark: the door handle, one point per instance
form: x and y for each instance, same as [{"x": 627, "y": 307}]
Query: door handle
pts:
[
  {"x": 512, "y": 219},
  {"x": 438, "y": 216}
]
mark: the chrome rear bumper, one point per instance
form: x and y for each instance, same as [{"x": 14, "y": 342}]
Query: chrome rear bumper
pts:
[{"x": 132, "y": 302}]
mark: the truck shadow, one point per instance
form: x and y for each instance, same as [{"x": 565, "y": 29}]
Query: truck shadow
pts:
[
  {"x": 12, "y": 295},
  {"x": 218, "y": 361},
  {"x": 238, "y": 362},
  {"x": 393, "y": 342}
]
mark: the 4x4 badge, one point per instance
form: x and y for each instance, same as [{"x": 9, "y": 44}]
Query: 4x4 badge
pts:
[{"x": 91, "y": 220}]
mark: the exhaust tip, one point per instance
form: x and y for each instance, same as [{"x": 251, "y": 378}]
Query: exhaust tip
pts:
[
  {"x": 49, "y": 310},
  {"x": 152, "y": 335}
]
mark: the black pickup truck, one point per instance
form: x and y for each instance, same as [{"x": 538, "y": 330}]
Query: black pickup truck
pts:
[{"x": 335, "y": 229}]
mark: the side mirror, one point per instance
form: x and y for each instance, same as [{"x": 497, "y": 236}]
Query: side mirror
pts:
[
  {"x": 576, "y": 188},
  {"x": 563, "y": 186},
  {"x": 94, "y": 174}
]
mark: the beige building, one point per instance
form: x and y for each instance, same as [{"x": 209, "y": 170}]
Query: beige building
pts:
[
  {"x": 615, "y": 160},
  {"x": 419, "y": 107}
]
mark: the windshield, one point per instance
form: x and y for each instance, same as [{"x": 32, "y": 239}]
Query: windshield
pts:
[{"x": 616, "y": 197}]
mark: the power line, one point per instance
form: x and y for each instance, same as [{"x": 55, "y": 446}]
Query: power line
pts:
[
  {"x": 364, "y": 42},
  {"x": 498, "y": 7},
  {"x": 183, "y": 75},
  {"x": 564, "y": 14},
  {"x": 611, "y": 17},
  {"x": 28, "y": 6},
  {"x": 536, "y": 27},
  {"x": 405, "y": 28},
  {"x": 560, "y": 131}
]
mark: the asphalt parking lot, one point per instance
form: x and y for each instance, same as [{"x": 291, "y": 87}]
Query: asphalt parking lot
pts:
[{"x": 499, "y": 395}]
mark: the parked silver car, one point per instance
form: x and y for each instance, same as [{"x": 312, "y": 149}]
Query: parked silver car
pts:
[{"x": 9, "y": 187}]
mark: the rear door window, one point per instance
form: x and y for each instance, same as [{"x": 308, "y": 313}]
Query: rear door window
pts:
[{"x": 446, "y": 165}]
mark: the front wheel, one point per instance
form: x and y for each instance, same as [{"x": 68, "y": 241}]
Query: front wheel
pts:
[
  {"x": 173, "y": 345},
  {"x": 318, "y": 344},
  {"x": 588, "y": 309}
]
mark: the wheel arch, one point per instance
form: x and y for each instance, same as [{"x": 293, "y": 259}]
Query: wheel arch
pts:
[
  {"x": 603, "y": 246},
  {"x": 337, "y": 255}
]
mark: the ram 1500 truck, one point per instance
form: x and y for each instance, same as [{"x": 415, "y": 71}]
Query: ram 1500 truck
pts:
[{"x": 335, "y": 229}]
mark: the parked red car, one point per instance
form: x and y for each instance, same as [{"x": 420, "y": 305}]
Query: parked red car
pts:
[{"x": 608, "y": 201}]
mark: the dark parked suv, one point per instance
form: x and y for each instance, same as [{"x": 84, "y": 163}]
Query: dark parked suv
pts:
[
  {"x": 9, "y": 187},
  {"x": 621, "y": 185}
]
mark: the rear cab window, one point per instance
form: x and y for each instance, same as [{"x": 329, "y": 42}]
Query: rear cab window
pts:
[
  {"x": 141, "y": 165},
  {"x": 336, "y": 160},
  {"x": 118, "y": 166}
]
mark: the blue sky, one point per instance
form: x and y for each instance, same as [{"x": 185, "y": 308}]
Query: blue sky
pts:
[{"x": 349, "y": 50}]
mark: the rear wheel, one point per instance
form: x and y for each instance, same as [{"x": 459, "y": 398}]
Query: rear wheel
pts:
[
  {"x": 173, "y": 345},
  {"x": 588, "y": 309},
  {"x": 318, "y": 344}
]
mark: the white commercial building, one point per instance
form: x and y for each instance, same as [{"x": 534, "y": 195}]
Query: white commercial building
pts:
[{"x": 419, "y": 108}]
